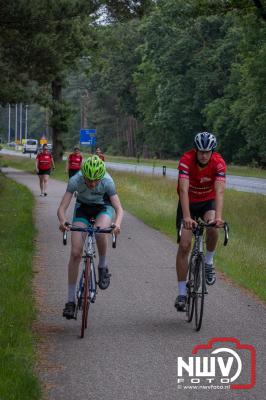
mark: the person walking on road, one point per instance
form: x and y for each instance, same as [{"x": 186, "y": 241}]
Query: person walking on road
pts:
[
  {"x": 100, "y": 154},
  {"x": 96, "y": 198},
  {"x": 201, "y": 185},
  {"x": 74, "y": 162},
  {"x": 43, "y": 164}
]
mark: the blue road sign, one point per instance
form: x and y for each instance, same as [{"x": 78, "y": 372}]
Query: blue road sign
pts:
[{"x": 88, "y": 137}]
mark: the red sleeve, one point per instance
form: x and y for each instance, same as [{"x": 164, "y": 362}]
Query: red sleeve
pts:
[
  {"x": 184, "y": 167},
  {"x": 220, "y": 169}
]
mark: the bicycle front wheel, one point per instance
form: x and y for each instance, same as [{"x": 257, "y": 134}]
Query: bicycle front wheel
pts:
[
  {"x": 199, "y": 290},
  {"x": 190, "y": 290},
  {"x": 85, "y": 299}
]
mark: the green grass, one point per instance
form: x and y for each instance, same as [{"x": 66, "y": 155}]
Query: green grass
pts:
[
  {"x": 153, "y": 200},
  {"x": 245, "y": 257},
  {"x": 18, "y": 380}
]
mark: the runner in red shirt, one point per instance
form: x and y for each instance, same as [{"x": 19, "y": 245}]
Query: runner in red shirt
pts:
[
  {"x": 74, "y": 162},
  {"x": 201, "y": 185},
  {"x": 44, "y": 163},
  {"x": 100, "y": 154}
]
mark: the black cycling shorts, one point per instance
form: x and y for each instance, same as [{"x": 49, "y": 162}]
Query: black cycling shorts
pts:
[
  {"x": 44, "y": 172},
  {"x": 197, "y": 210},
  {"x": 72, "y": 172},
  {"x": 84, "y": 212}
]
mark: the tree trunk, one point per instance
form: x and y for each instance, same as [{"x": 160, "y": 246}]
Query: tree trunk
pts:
[{"x": 58, "y": 148}]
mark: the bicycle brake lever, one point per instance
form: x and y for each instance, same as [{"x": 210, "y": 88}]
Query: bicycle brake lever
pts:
[
  {"x": 226, "y": 233},
  {"x": 113, "y": 241},
  {"x": 64, "y": 238}
]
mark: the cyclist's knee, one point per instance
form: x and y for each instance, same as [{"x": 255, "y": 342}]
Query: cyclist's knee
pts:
[
  {"x": 184, "y": 247},
  {"x": 212, "y": 233},
  {"x": 76, "y": 253}
]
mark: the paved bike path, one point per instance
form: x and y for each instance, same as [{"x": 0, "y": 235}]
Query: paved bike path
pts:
[{"x": 135, "y": 335}]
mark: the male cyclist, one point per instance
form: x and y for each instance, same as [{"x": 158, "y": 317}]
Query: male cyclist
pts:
[
  {"x": 96, "y": 198},
  {"x": 201, "y": 185}
]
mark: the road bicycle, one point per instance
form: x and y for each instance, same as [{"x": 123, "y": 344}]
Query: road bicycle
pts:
[
  {"x": 87, "y": 287},
  {"x": 196, "y": 284}
]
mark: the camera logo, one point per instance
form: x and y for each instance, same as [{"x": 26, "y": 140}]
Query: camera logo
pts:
[{"x": 222, "y": 363}]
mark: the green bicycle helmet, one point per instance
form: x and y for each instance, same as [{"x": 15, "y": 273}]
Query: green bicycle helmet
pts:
[{"x": 93, "y": 168}]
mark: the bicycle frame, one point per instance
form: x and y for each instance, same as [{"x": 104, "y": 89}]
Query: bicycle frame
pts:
[
  {"x": 196, "y": 285},
  {"x": 87, "y": 287},
  {"x": 198, "y": 246},
  {"x": 198, "y": 232},
  {"x": 90, "y": 253}
]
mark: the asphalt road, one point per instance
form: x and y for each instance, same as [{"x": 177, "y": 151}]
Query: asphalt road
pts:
[
  {"x": 135, "y": 334},
  {"x": 240, "y": 183}
]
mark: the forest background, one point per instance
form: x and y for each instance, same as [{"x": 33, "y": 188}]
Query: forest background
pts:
[{"x": 147, "y": 75}]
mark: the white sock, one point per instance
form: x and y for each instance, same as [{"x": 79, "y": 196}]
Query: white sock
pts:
[
  {"x": 102, "y": 262},
  {"x": 182, "y": 288},
  {"x": 72, "y": 293},
  {"x": 209, "y": 257}
]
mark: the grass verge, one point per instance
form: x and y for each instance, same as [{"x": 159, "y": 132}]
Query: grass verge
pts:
[
  {"x": 17, "y": 353},
  {"x": 153, "y": 200}
]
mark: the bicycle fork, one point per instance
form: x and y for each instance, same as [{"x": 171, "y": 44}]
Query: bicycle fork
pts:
[
  {"x": 92, "y": 285},
  {"x": 196, "y": 252}
]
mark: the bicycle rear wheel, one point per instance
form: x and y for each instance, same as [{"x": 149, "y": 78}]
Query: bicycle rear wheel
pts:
[
  {"x": 85, "y": 300},
  {"x": 199, "y": 290},
  {"x": 190, "y": 291}
]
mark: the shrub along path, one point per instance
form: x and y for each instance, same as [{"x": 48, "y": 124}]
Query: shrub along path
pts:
[{"x": 135, "y": 334}]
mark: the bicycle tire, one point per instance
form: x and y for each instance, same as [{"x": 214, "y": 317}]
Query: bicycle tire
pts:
[
  {"x": 85, "y": 301},
  {"x": 190, "y": 296},
  {"x": 200, "y": 291}
]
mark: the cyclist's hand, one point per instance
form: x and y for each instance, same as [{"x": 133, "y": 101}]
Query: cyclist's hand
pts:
[
  {"x": 64, "y": 226},
  {"x": 37, "y": 170},
  {"x": 189, "y": 223},
  {"x": 219, "y": 223},
  {"x": 116, "y": 229}
]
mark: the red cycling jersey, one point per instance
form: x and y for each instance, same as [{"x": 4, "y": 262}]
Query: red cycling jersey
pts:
[
  {"x": 44, "y": 161},
  {"x": 201, "y": 180},
  {"x": 74, "y": 161}
]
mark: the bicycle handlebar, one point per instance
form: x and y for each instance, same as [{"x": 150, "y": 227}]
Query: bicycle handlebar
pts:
[
  {"x": 202, "y": 223},
  {"x": 225, "y": 227},
  {"x": 90, "y": 229}
]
